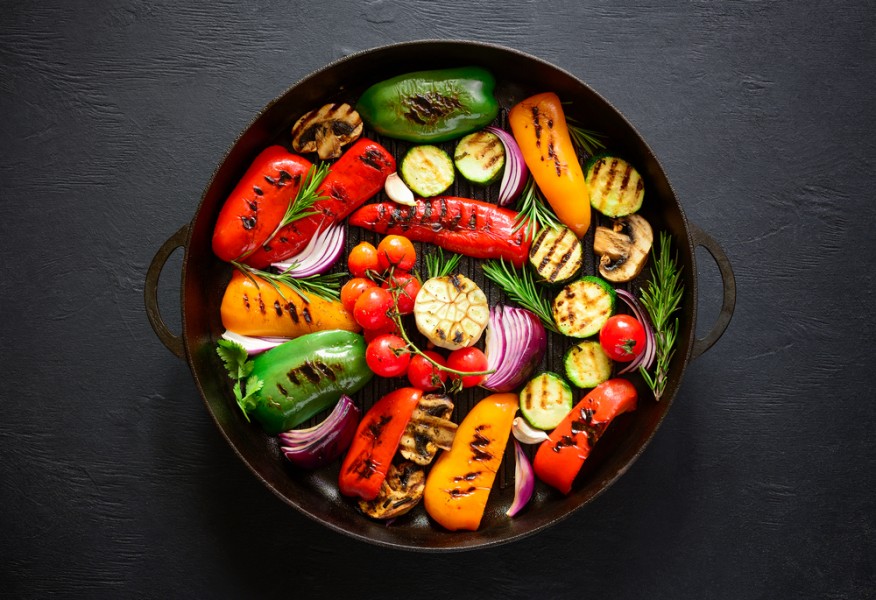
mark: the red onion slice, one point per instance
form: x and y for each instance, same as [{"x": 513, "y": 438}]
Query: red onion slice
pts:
[
  {"x": 321, "y": 252},
  {"x": 646, "y": 358},
  {"x": 254, "y": 345},
  {"x": 515, "y": 174},
  {"x": 319, "y": 445},
  {"x": 515, "y": 344},
  {"x": 524, "y": 481}
]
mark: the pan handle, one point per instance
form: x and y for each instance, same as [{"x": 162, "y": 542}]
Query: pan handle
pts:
[
  {"x": 701, "y": 238},
  {"x": 173, "y": 342}
]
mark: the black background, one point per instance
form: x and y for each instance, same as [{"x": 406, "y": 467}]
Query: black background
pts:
[{"x": 114, "y": 480}]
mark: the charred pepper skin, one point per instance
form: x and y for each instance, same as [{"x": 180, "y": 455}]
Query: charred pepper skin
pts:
[
  {"x": 307, "y": 375},
  {"x": 470, "y": 227},
  {"x": 431, "y": 106}
]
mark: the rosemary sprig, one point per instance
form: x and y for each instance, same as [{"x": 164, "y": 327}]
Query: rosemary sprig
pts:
[
  {"x": 302, "y": 204},
  {"x": 584, "y": 139},
  {"x": 326, "y": 287},
  {"x": 533, "y": 210},
  {"x": 521, "y": 288},
  {"x": 661, "y": 298},
  {"x": 437, "y": 265}
]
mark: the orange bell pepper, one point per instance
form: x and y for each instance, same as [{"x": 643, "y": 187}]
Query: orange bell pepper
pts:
[
  {"x": 539, "y": 127},
  {"x": 459, "y": 483},
  {"x": 377, "y": 437},
  {"x": 259, "y": 310},
  {"x": 560, "y": 457}
]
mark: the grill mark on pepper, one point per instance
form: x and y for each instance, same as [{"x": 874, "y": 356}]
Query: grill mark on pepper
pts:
[
  {"x": 309, "y": 371},
  {"x": 258, "y": 190},
  {"x": 293, "y": 312},
  {"x": 292, "y": 376},
  {"x": 373, "y": 158},
  {"x": 305, "y": 312},
  {"x": 327, "y": 371},
  {"x": 458, "y": 493},
  {"x": 470, "y": 476},
  {"x": 246, "y": 301},
  {"x": 278, "y": 308},
  {"x": 443, "y": 212},
  {"x": 376, "y": 428},
  {"x": 273, "y": 181},
  {"x": 262, "y": 305},
  {"x": 282, "y": 389},
  {"x": 478, "y": 443},
  {"x": 253, "y": 205},
  {"x": 427, "y": 211},
  {"x": 537, "y": 124},
  {"x": 428, "y": 108},
  {"x": 473, "y": 221},
  {"x": 248, "y": 222},
  {"x": 284, "y": 176}
]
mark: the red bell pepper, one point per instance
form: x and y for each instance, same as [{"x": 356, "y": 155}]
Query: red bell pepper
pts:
[
  {"x": 257, "y": 204},
  {"x": 376, "y": 440},
  {"x": 353, "y": 180},
  {"x": 560, "y": 457},
  {"x": 470, "y": 227}
]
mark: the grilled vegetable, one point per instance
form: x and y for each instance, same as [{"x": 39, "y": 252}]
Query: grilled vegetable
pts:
[
  {"x": 317, "y": 446},
  {"x": 429, "y": 430},
  {"x": 459, "y": 483},
  {"x": 560, "y": 458},
  {"x": 368, "y": 461},
  {"x": 556, "y": 254},
  {"x": 427, "y": 170},
  {"x": 524, "y": 481},
  {"x": 431, "y": 106},
  {"x": 539, "y": 126},
  {"x": 306, "y": 376},
  {"x": 451, "y": 311},
  {"x": 357, "y": 176},
  {"x": 258, "y": 202},
  {"x": 582, "y": 307},
  {"x": 480, "y": 157},
  {"x": 616, "y": 188},
  {"x": 470, "y": 227},
  {"x": 587, "y": 365},
  {"x": 623, "y": 248},
  {"x": 397, "y": 191},
  {"x": 252, "y": 306},
  {"x": 515, "y": 174},
  {"x": 401, "y": 491},
  {"x": 545, "y": 400},
  {"x": 515, "y": 345},
  {"x": 326, "y": 129}
]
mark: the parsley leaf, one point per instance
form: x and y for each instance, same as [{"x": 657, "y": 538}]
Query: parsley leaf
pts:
[{"x": 234, "y": 357}]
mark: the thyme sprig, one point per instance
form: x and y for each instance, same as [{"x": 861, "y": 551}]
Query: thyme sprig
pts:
[
  {"x": 661, "y": 298},
  {"x": 326, "y": 286},
  {"x": 437, "y": 265},
  {"x": 521, "y": 288},
  {"x": 533, "y": 211}
]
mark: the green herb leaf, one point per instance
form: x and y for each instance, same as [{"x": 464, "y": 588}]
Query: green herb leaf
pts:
[
  {"x": 521, "y": 288},
  {"x": 327, "y": 287},
  {"x": 437, "y": 265},
  {"x": 533, "y": 211},
  {"x": 234, "y": 356},
  {"x": 585, "y": 140},
  {"x": 661, "y": 298}
]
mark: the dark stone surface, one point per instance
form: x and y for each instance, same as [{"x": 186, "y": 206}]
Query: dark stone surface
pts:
[{"x": 114, "y": 481}]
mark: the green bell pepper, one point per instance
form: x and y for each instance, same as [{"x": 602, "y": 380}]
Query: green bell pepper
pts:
[
  {"x": 431, "y": 106},
  {"x": 306, "y": 375}
]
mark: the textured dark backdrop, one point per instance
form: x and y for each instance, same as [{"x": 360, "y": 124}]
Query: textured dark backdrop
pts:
[{"x": 113, "y": 479}]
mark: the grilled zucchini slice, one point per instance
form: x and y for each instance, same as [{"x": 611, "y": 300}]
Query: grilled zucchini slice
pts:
[
  {"x": 587, "y": 365},
  {"x": 616, "y": 188},
  {"x": 582, "y": 307},
  {"x": 427, "y": 170},
  {"x": 451, "y": 311},
  {"x": 480, "y": 157},
  {"x": 556, "y": 254},
  {"x": 546, "y": 400}
]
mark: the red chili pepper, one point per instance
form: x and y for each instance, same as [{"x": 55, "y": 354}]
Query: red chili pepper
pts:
[
  {"x": 561, "y": 456},
  {"x": 376, "y": 440},
  {"x": 258, "y": 202},
  {"x": 470, "y": 227},
  {"x": 353, "y": 180}
]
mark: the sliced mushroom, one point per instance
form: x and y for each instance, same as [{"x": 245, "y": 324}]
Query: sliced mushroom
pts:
[
  {"x": 401, "y": 491},
  {"x": 624, "y": 247},
  {"x": 325, "y": 130},
  {"x": 429, "y": 430}
]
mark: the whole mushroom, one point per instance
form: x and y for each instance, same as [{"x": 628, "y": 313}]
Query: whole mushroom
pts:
[{"x": 624, "y": 247}]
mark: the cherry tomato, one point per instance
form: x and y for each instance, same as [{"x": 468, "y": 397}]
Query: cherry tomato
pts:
[
  {"x": 622, "y": 337},
  {"x": 396, "y": 251},
  {"x": 425, "y": 376},
  {"x": 468, "y": 359},
  {"x": 373, "y": 308},
  {"x": 370, "y": 334},
  {"x": 363, "y": 258},
  {"x": 404, "y": 288},
  {"x": 388, "y": 356},
  {"x": 353, "y": 289}
]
